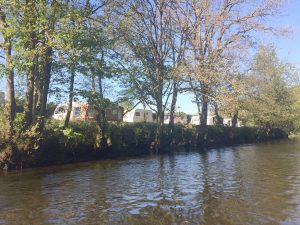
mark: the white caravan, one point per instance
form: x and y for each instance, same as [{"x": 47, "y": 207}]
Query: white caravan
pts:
[
  {"x": 84, "y": 111},
  {"x": 178, "y": 119},
  {"x": 227, "y": 121},
  {"x": 60, "y": 112},
  {"x": 211, "y": 121},
  {"x": 138, "y": 115},
  {"x": 195, "y": 120}
]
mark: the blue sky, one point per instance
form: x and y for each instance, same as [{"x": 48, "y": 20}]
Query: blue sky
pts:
[{"x": 287, "y": 48}]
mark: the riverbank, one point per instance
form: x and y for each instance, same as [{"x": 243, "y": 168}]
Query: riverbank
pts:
[{"x": 81, "y": 142}]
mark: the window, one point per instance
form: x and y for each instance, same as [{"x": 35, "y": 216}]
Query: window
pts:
[
  {"x": 137, "y": 114},
  {"x": 76, "y": 111}
]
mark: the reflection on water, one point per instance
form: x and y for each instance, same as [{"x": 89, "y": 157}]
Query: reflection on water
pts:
[{"x": 253, "y": 184}]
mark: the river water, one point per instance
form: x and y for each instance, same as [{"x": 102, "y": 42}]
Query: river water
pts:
[{"x": 249, "y": 184}]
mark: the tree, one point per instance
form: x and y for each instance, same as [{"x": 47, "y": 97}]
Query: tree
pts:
[
  {"x": 229, "y": 95},
  {"x": 295, "y": 92},
  {"x": 147, "y": 38},
  {"x": 72, "y": 47},
  {"x": 179, "y": 42},
  {"x": 217, "y": 29},
  {"x": 270, "y": 102},
  {"x": 8, "y": 32}
]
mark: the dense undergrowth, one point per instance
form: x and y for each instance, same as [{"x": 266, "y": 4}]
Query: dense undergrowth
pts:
[{"x": 81, "y": 142}]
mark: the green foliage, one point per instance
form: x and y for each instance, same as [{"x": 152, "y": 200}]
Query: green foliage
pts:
[
  {"x": 3, "y": 128},
  {"x": 18, "y": 123},
  {"x": 71, "y": 135},
  {"x": 129, "y": 136},
  {"x": 77, "y": 134},
  {"x": 50, "y": 109},
  {"x": 96, "y": 99},
  {"x": 295, "y": 92},
  {"x": 270, "y": 103}
]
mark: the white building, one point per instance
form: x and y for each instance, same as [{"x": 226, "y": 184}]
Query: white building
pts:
[
  {"x": 138, "y": 115},
  {"x": 2, "y": 99}
]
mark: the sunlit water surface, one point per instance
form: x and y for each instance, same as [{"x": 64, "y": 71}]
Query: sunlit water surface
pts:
[{"x": 251, "y": 184}]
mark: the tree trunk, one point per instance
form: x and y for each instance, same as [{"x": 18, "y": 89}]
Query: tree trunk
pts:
[
  {"x": 218, "y": 119},
  {"x": 204, "y": 112},
  {"x": 42, "y": 88},
  {"x": 197, "y": 99},
  {"x": 160, "y": 115},
  {"x": 29, "y": 98},
  {"x": 10, "y": 103},
  {"x": 158, "y": 135},
  {"x": 93, "y": 84},
  {"x": 102, "y": 124},
  {"x": 71, "y": 96},
  {"x": 38, "y": 87},
  {"x": 46, "y": 62},
  {"x": 172, "y": 109},
  {"x": 101, "y": 113},
  {"x": 30, "y": 20},
  {"x": 235, "y": 120},
  {"x": 47, "y": 78},
  {"x": 203, "y": 118},
  {"x": 35, "y": 103}
]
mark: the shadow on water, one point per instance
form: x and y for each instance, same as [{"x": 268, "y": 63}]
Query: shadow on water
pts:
[{"x": 250, "y": 184}]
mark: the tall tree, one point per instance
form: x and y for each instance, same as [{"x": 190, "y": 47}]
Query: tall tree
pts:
[
  {"x": 270, "y": 102},
  {"x": 147, "y": 38},
  {"x": 29, "y": 24},
  {"x": 179, "y": 42},
  {"x": 8, "y": 33},
  {"x": 216, "y": 29}
]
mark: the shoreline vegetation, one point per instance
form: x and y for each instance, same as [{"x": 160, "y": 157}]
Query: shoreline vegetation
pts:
[{"x": 82, "y": 142}]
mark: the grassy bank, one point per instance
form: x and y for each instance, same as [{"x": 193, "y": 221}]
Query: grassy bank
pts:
[{"x": 81, "y": 142}]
